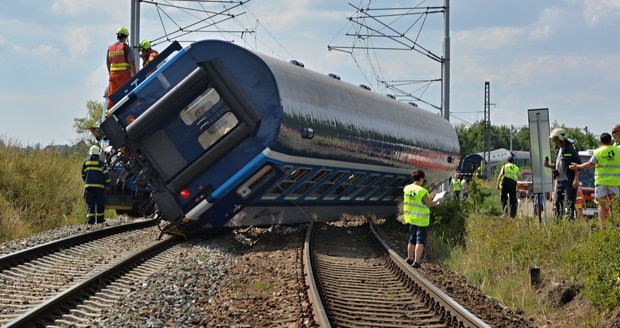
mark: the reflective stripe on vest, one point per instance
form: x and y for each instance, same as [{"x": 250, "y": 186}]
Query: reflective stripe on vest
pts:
[
  {"x": 116, "y": 55},
  {"x": 456, "y": 184},
  {"x": 607, "y": 170},
  {"x": 414, "y": 210},
  {"x": 511, "y": 171}
]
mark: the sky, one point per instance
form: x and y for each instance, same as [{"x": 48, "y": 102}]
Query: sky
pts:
[{"x": 558, "y": 54}]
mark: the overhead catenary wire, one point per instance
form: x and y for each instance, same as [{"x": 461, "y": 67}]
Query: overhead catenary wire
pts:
[
  {"x": 208, "y": 24},
  {"x": 374, "y": 29}
]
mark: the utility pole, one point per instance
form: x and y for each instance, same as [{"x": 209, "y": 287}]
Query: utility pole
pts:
[
  {"x": 445, "y": 65},
  {"x": 511, "y": 127},
  {"x": 487, "y": 126},
  {"x": 134, "y": 31}
]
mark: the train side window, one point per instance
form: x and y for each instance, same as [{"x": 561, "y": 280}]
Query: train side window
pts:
[
  {"x": 217, "y": 130},
  {"x": 360, "y": 186},
  {"x": 256, "y": 181},
  {"x": 199, "y": 106},
  {"x": 395, "y": 189},
  {"x": 293, "y": 176},
  {"x": 383, "y": 187},
  {"x": 373, "y": 188},
  {"x": 344, "y": 186},
  {"x": 326, "y": 185},
  {"x": 307, "y": 185}
]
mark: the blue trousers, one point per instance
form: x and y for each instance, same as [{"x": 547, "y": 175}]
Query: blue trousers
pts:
[{"x": 95, "y": 205}]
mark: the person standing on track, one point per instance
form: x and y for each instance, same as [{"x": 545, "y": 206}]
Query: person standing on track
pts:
[
  {"x": 416, "y": 212},
  {"x": 507, "y": 181},
  {"x": 120, "y": 62},
  {"x": 96, "y": 181}
]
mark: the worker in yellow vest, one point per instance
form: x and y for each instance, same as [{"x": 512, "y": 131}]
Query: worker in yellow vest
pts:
[
  {"x": 507, "y": 182},
  {"x": 456, "y": 186},
  {"x": 606, "y": 162},
  {"x": 416, "y": 212}
]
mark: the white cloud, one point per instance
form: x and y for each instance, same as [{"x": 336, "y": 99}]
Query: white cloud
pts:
[
  {"x": 549, "y": 20},
  {"x": 540, "y": 33},
  {"x": 83, "y": 36},
  {"x": 489, "y": 38},
  {"x": 45, "y": 50},
  {"x": 598, "y": 10},
  {"x": 76, "y": 7}
]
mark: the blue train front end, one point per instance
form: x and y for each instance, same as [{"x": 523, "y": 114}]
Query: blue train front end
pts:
[{"x": 178, "y": 128}]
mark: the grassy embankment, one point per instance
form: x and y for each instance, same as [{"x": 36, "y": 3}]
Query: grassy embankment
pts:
[
  {"x": 39, "y": 190},
  {"x": 42, "y": 189},
  {"x": 496, "y": 254}
]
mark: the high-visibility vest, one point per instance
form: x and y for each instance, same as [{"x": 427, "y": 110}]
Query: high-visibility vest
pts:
[
  {"x": 117, "y": 58},
  {"x": 414, "y": 209},
  {"x": 607, "y": 170},
  {"x": 149, "y": 57},
  {"x": 511, "y": 171},
  {"x": 456, "y": 184}
]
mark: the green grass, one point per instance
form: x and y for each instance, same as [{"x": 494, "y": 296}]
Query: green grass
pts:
[
  {"x": 496, "y": 255},
  {"x": 40, "y": 189}
]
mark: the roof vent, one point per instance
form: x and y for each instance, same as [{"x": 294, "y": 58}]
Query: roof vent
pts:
[
  {"x": 295, "y": 62},
  {"x": 332, "y": 75},
  {"x": 363, "y": 86}
]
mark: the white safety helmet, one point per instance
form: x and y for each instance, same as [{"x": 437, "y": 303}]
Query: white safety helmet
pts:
[
  {"x": 94, "y": 150},
  {"x": 559, "y": 133}
]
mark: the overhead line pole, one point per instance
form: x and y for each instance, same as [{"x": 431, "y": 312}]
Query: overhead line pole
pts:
[
  {"x": 134, "y": 30},
  {"x": 445, "y": 65}
]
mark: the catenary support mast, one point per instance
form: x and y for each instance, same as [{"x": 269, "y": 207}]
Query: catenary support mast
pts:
[
  {"x": 445, "y": 67},
  {"x": 134, "y": 30}
]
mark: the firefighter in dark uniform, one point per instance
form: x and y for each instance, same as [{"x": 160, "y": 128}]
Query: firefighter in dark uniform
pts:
[{"x": 96, "y": 180}]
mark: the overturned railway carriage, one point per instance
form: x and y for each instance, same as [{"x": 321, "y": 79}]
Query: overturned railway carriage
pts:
[{"x": 226, "y": 136}]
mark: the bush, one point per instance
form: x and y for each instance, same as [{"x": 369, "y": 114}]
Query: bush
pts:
[{"x": 595, "y": 259}]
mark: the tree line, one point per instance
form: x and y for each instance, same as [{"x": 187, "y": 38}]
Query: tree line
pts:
[{"x": 471, "y": 138}]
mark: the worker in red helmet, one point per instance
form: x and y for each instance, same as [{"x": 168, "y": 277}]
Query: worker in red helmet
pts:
[{"x": 120, "y": 62}]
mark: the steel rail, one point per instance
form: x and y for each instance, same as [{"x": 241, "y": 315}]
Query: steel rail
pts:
[
  {"x": 25, "y": 255},
  {"x": 441, "y": 300},
  {"x": 49, "y": 309},
  {"x": 313, "y": 291}
]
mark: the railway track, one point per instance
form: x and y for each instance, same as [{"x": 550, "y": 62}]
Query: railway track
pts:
[
  {"x": 81, "y": 274},
  {"x": 355, "y": 280}
]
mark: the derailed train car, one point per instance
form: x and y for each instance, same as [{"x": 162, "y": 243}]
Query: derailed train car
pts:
[{"x": 226, "y": 136}]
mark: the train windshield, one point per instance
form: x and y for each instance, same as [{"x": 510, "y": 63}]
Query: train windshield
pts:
[{"x": 213, "y": 119}]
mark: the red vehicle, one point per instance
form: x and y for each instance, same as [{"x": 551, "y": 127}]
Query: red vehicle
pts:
[
  {"x": 524, "y": 185},
  {"x": 586, "y": 180}
]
